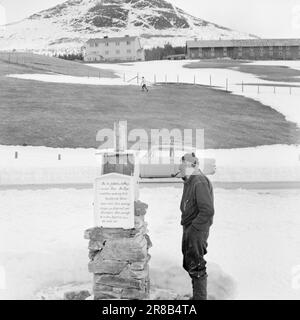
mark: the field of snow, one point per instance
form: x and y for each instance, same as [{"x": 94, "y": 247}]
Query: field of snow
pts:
[
  {"x": 57, "y": 78},
  {"x": 41, "y": 165},
  {"x": 253, "y": 245}
]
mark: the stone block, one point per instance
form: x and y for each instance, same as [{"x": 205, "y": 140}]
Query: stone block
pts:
[
  {"x": 135, "y": 274},
  {"x": 106, "y": 288},
  {"x": 77, "y": 295},
  {"x": 101, "y": 266},
  {"x": 122, "y": 250},
  {"x": 119, "y": 282},
  {"x": 133, "y": 294},
  {"x": 103, "y": 234},
  {"x": 101, "y": 295}
]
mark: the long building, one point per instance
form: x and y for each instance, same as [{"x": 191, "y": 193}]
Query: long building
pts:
[
  {"x": 114, "y": 49},
  {"x": 250, "y": 49}
]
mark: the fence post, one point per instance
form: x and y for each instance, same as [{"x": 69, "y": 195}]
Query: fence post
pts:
[
  {"x": 124, "y": 78},
  {"x": 290, "y": 90},
  {"x": 138, "y": 78},
  {"x": 59, "y": 157},
  {"x": 242, "y": 86},
  {"x": 274, "y": 90},
  {"x": 177, "y": 78},
  {"x": 166, "y": 79},
  {"x": 258, "y": 91},
  {"x": 227, "y": 85},
  {"x": 16, "y": 155},
  {"x": 194, "y": 79},
  {"x": 210, "y": 80}
]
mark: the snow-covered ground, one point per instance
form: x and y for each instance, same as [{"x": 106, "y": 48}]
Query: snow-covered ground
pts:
[
  {"x": 41, "y": 165},
  {"x": 253, "y": 246},
  {"x": 58, "y": 78}
]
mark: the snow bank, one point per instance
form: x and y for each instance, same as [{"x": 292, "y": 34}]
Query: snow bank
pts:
[
  {"x": 41, "y": 165},
  {"x": 253, "y": 245},
  {"x": 57, "y": 78}
]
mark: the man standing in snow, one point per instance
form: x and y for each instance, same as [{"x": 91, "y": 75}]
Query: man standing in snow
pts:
[
  {"x": 197, "y": 207},
  {"x": 144, "y": 85}
]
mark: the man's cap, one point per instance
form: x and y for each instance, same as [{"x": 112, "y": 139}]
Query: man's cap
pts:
[{"x": 191, "y": 157}]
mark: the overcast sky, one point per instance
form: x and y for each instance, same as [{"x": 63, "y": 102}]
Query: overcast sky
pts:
[{"x": 265, "y": 18}]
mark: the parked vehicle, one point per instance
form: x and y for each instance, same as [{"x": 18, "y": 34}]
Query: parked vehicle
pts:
[{"x": 164, "y": 161}]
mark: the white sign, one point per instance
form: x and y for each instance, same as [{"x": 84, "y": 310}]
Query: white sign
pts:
[{"x": 114, "y": 201}]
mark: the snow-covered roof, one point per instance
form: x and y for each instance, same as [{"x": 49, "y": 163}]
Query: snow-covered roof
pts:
[
  {"x": 114, "y": 39},
  {"x": 242, "y": 43}
]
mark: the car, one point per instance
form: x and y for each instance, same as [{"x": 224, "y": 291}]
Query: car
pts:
[{"x": 164, "y": 161}]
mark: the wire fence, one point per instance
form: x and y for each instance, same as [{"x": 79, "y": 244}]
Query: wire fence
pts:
[{"x": 226, "y": 84}]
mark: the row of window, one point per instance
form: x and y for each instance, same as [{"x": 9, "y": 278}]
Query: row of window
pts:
[
  {"x": 107, "y": 44},
  {"x": 262, "y": 51},
  {"x": 107, "y": 52}
]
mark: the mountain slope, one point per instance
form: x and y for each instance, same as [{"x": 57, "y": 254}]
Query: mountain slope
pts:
[{"x": 65, "y": 27}]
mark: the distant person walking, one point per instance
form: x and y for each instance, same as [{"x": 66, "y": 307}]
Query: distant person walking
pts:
[{"x": 144, "y": 85}]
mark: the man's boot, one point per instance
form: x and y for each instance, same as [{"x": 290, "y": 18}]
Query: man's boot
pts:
[{"x": 199, "y": 288}]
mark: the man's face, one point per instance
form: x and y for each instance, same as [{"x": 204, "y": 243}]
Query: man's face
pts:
[{"x": 186, "y": 169}]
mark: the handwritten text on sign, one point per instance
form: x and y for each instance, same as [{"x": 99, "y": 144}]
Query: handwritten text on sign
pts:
[{"x": 114, "y": 201}]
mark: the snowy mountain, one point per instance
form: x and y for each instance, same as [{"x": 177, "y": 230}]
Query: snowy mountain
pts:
[{"x": 65, "y": 27}]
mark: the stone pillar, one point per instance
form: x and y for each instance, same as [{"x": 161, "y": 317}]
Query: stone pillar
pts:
[{"x": 119, "y": 260}]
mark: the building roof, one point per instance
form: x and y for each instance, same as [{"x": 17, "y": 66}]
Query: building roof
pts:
[
  {"x": 114, "y": 39},
  {"x": 242, "y": 43}
]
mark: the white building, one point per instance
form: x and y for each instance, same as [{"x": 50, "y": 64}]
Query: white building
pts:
[{"x": 114, "y": 49}]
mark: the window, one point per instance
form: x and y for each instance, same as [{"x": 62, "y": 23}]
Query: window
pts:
[
  {"x": 128, "y": 43},
  {"x": 225, "y": 52},
  {"x": 91, "y": 44},
  {"x": 96, "y": 44},
  {"x": 240, "y": 52},
  {"x": 201, "y": 52},
  {"x": 107, "y": 53},
  {"x": 128, "y": 51},
  {"x": 117, "y": 51},
  {"x": 117, "y": 43},
  {"x": 261, "y": 51},
  {"x": 106, "y": 44},
  {"x": 271, "y": 51},
  {"x": 252, "y": 52},
  {"x": 212, "y": 52}
]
